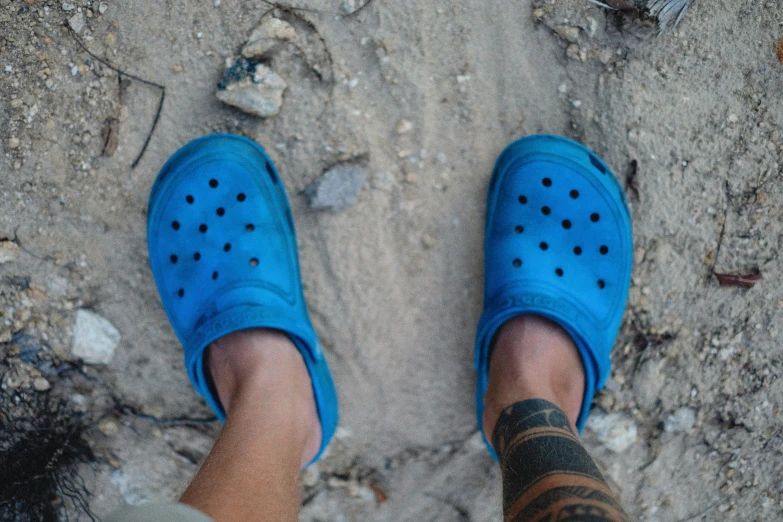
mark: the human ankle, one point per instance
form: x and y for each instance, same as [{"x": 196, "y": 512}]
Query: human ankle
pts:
[
  {"x": 533, "y": 358},
  {"x": 260, "y": 371}
]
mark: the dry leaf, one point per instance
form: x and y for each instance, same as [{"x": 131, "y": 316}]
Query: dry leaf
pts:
[
  {"x": 780, "y": 50},
  {"x": 741, "y": 280},
  {"x": 111, "y": 136},
  {"x": 380, "y": 495}
]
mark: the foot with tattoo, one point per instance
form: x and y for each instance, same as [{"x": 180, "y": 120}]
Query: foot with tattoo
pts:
[
  {"x": 558, "y": 255},
  {"x": 536, "y": 382}
]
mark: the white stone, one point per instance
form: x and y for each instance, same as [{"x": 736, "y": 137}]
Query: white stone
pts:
[
  {"x": 94, "y": 338},
  {"x": 102, "y": 8},
  {"x": 404, "y": 126},
  {"x": 681, "y": 421},
  {"x": 617, "y": 431},
  {"x": 41, "y": 384},
  {"x": 76, "y": 22},
  {"x": 262, "y": 95}
]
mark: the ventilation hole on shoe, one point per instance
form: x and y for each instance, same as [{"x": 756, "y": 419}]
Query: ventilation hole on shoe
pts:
[
  {"x": 175, "y": 225},
  {"x": 254, "y": 262},
  {"x": 202, "y": 228},
  {"x": 519, "y": 229},
  {"x": 517, "y": 263},
  {"x": 543, "y": 245},
  {"x": 594, "y": 217},
  {"x": 250, "y": 227},
  {"x": 197, "y": 256},
  {"x": 221, "y": 211},
  {"x": 271, "y": 173},
  {"x": 214, "y": 275},
  {"x": 241, "y": 197},
  {"x": 189, "y": 199},
  {"x": 604, "y": 249},
  {"x": 597, "y": 164},
  {"x": 578, "y": 250},
  {"x": 181, "y": 292},
  {"x": 547, "y": 182},
  {"x": 213, "y": 183},
  {"x": 523, "y": 199},
  {"x": 601, "y": 284},
  {"x": 227, "y": 247},
  {"x": 559, "y": 272},
  {"x": 574, "y": 194},
  {"x": 546, "y": 210},
  {"x": 174, "y": 258},
  {"x": 566, "y": 224}
]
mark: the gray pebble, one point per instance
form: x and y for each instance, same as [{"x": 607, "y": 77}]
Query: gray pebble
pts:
[
  {"x": 77, "y": 22},
  {"x": 336, "y": 188},
  {"x": 681, "y": 421}
]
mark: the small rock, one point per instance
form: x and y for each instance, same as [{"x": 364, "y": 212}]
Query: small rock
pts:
[
  {"x": 76, "y": 22},
  {"x": 14, "y": 142},
  {"x": 647, "y": 384},
  {"x": 40, "y": 384},
  {"x": 681, "y": 421},
  {"x": 616, "y": 431},
  {"x": 310, "y": 476},
  {"x": 252, "y": 87},
  {"x": 733, "y": 118},
  {"x": 269, "y": 33},
  {"x": 336, "y": 188},
  {"x": 592, "y": 26},
  {"x": 68, "y": 6},
  {"x": 102, "y": 8},
  {"x": 573, "y": 52},
  {"x": 606, "y": 56},
  {"x": 109, "y": 427},
  {"x": 568, "y": 33},
  {"x": 94, "y": 338},
  {"x": 404, "y": 126},
  {"x": 8, "y": 251}
]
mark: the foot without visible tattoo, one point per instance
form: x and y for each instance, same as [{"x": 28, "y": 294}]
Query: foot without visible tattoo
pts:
[{"x": 547, "y": 473}]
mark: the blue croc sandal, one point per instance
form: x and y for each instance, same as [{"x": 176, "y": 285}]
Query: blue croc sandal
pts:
[
  {"x": 557, "y": 244},
  {"x": 224, "y": 255}
]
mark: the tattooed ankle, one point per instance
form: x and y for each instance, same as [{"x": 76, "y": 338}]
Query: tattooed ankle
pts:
[{"x": 547, "y": 473}]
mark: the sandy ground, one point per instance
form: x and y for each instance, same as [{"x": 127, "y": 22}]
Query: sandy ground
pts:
[{"x": 689, "y": 121}]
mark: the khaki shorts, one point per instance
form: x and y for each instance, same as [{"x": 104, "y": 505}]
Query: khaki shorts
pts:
[{"x": 161, "y": 512}]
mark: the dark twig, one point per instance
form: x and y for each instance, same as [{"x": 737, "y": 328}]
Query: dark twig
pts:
[
  {"x": 287, "y": 7},
  {"x": 722, "y": 230},
  {"x": 134, "y": 77},
  {"x": 701, "y": 513},
  {"x": 126, "y": 409}
]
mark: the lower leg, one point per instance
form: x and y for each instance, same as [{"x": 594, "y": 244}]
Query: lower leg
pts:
[
  {"x": 271, "y": 430},
  {"x": 534, "y": 395}
]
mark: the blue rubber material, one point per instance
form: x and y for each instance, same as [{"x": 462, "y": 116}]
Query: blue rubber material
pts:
[
  {"x": 558, "y": 244},
  {"x": 223, "y": 252}
]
